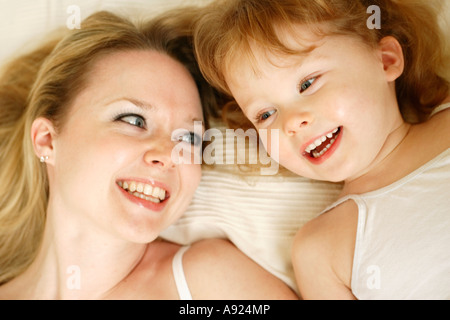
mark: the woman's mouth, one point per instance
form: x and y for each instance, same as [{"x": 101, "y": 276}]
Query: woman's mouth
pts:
[
  {"x": 323, "y": 145},
  {"x": 144, "y": 191}
]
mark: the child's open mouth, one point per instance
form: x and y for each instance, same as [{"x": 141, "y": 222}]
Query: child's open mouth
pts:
[{"x": 322, "y": 145}]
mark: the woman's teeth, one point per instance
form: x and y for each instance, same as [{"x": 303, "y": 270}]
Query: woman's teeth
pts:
[
  {"x": 143, "y": 191},
  {"x": 318, "y": 147}
]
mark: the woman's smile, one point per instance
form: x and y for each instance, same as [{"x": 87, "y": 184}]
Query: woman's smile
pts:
[{"x": 153, "y": 196}]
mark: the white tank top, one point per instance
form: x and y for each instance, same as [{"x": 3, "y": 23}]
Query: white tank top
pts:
[
  {"x": 178, "y": 273},
  {"x": 402, "y": 248}
]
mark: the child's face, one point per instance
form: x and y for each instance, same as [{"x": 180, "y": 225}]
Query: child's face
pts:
[{"x": 337, "y": 97}]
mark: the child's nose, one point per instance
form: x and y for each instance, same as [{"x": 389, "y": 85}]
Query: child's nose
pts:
[{"x": 295, "y": 121}]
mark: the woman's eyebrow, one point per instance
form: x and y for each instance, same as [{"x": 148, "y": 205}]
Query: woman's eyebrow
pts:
[
  {"x": 139, "y": 103},
  {"x": 136, "y": 102}
]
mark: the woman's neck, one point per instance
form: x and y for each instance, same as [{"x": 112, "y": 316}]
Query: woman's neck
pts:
[{"x": 77, "y": 261}]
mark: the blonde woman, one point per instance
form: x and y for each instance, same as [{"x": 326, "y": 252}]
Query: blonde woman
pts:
[{"x": 87, "y": 126}]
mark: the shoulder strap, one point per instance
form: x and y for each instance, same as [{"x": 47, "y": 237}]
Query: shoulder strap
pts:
[
  {"x": 440, "y": 108},
  {"x": 178, "y": 274},
  {"x": 356, "y": 198}
]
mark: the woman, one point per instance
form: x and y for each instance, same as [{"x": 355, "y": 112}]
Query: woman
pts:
[{"x": 98, "y": 114}]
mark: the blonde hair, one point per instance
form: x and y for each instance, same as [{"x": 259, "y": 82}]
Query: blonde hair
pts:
[
  {"x": 229, "y": 29},
  {"x": 42, "y": 84}
]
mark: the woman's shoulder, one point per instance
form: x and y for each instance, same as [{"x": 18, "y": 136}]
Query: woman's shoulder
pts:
[
  {"x": 217, "y": 269},
  {"x": 152, "y": 277},
  {"x": 212, "y": 250}
]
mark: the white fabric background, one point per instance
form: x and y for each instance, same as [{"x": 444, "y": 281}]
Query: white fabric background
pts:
[{"x": 25, "y": 21}]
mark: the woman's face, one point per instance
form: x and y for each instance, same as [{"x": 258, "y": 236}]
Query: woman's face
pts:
[{"x": 113, "y": 157}]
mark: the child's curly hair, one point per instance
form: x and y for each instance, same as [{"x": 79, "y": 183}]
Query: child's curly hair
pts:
[{"x": 229, "y": 28}]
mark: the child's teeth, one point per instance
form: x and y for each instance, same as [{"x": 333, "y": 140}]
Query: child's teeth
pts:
[
  {"x": 311, "y": 148},
  {"x": 318, "y": 142}
]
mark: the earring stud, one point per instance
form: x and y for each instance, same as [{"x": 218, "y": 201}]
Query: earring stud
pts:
[{"x": 43, "y": 159}]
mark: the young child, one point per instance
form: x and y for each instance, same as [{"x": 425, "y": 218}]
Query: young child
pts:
[{"x": 356, "y": 95}]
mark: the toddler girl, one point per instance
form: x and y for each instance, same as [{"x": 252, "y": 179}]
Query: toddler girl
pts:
[{"x": 356, "y": 93}]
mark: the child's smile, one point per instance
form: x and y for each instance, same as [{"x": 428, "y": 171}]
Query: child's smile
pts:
[{"x": 323, "y": 146}]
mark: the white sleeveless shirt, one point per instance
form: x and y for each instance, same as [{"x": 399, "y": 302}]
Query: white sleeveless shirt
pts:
[{"x": 402, "y": 248}]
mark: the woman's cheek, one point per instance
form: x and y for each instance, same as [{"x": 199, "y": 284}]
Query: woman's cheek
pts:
[{"x": 190, "y": 177}]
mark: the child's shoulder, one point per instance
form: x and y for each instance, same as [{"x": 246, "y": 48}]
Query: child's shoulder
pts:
[
  {"x": 437, "y": 127},
  {"x": 441, "y": 113},
  {"x": 335, "y": 227},
  {"x": 315, "y": 247},
  {"x": 442, "y": 116}
]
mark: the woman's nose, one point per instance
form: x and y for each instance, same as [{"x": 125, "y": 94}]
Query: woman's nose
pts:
[
  {"x": 160, "y": 155},
  {"x": 295, "y": 121}
]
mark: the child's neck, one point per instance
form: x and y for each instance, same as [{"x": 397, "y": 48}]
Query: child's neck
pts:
[{"x": 386, "y": 168}]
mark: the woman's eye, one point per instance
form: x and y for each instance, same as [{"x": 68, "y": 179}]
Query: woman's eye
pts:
[
  {"x": 191, "y": 138},
  {"x": 306, "y": 84},
  {"x": 133, "y": 119},
  {"x": 265, "y": 115}
]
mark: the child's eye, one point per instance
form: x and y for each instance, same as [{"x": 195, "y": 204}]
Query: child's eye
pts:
[
  {"x": 133, "y": 119},
  {"x": 304, "y": 85},
  {"x": 261, "y": 117}
]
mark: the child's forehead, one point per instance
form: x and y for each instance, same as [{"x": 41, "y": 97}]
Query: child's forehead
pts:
[
  {"x": 301, "y": 37},
  {"x": 298, "y": 43}
]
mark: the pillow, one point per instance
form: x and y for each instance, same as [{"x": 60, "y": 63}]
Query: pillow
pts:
[{"x": 25, "y": 23}]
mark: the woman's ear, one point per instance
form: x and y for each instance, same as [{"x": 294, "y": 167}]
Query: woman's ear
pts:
[
  {"x": 392, "y": 57},
  {"x": 42, "y": 137}
]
